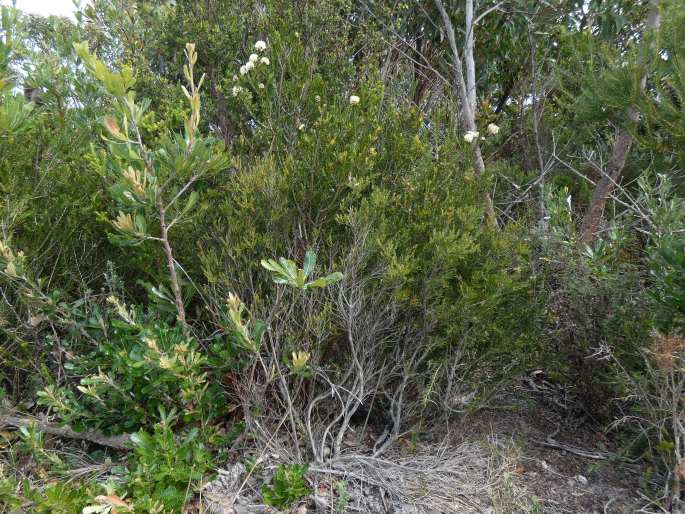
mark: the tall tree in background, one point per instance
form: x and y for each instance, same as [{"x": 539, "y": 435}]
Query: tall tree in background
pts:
[
  {"x": 624, "y": 139},
  {"x": 465, "y": 85}
]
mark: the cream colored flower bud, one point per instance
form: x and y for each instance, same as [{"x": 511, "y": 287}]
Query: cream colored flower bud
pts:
[{"x": 300, "y": 360}]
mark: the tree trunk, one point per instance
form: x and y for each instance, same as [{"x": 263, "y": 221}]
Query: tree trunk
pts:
[
  {"x": 606, "y": 183},
  {"x": 619, "y": 151},
  {"x": 468, "y": 56},
  {"x": 466, "y": 92},
  {"x": 420, "y": 72}
]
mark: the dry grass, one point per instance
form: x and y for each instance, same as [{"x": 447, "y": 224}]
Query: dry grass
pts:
[{"x": 468, "y": 478}]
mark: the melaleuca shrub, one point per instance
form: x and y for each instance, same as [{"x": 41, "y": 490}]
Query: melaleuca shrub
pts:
[
  {"x": 292, "y": 197},
  {"x": 462, "y": 281},
  {"x": 350, "y": 161}
]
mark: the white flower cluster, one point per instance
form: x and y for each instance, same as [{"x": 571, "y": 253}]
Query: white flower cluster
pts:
[
  {"x": 254, "y": 59},
  {"x": 472, "y": 135},
  {"x": 354, "y": 100},
  {"x": 239, "y": 90}
]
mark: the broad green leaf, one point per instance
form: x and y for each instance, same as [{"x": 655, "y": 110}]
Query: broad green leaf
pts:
[
  {"x": 327, "y": 280},
  {"x": 271, "y": 265},
  {"x": 289, "y": 267},
  {"x": 192, "y": 200},
  {"x": 309, "y": 262},
  {"x": 258, "y": 332},
  {"x": 300, "y": 280}
]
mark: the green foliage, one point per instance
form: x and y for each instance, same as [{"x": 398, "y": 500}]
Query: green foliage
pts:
[
  {"x": 594, "y": 303},
  {"x": 288, "y": 486},
  {"x": 668, "y": 265},
  {"x": 21, "y": 493},
  {"x": 55, "y": 497},
  {"x": 167, "y": 468},
  {"x": 164, "y": 470},
  {"x": 286, "y": 272},
  {"x": 343, "y": 496},
  {"x": 663, "y": 126},
  {"x": 665, "y": 212},
  {"x": 135, "y": 214},
  {"x": 153, "y": 189},
  {"x": 137, "y": 370},
  {"x": 14, "y": 114},
  {"x": 456, "y": 276},
  {"x": 462, "y": 278}
]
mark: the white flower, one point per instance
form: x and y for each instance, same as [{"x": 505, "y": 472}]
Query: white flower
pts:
[
  {"x": 301, "y": 127},
  {"x": 249, "y": 65},
  {"x": 317, "y": 99},
  {"x": 471, "y": 136},
  {"x": 260, "y": 45},
  {"x": 253, "y": 58},
  {"x": 265, "y": 61},
  {"x": 493, "y": 129},
  {"x": 237, "y": 90},
  {"x": 260, "y": 85},
  {"x": 354, "y": 100},
  {"x": 243, "y": 70},
  {"x": 235, "y": 77}
]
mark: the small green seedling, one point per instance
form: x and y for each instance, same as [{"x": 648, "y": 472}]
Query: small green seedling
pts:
[{"x": 286, "y": 271}]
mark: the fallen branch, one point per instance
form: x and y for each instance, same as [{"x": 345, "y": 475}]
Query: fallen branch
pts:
[
  {"x": 551, "y": 443},
  {"x": 119, "y": 442}
]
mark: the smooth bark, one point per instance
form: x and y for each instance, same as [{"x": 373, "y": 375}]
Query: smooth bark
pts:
[{"x": 465, "y": 87}]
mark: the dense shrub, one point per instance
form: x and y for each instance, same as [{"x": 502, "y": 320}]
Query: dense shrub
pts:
[
  {"x": 594, "y": 303},
  {"x": 218, "y": 218}
]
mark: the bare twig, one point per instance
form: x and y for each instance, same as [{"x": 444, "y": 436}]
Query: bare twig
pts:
[{"x": 551, "y": 443}]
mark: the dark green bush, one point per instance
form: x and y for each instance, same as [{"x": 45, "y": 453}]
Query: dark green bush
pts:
[
  {"x": 287, "y": 486},
  {"x": 167, "y": 467}
]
